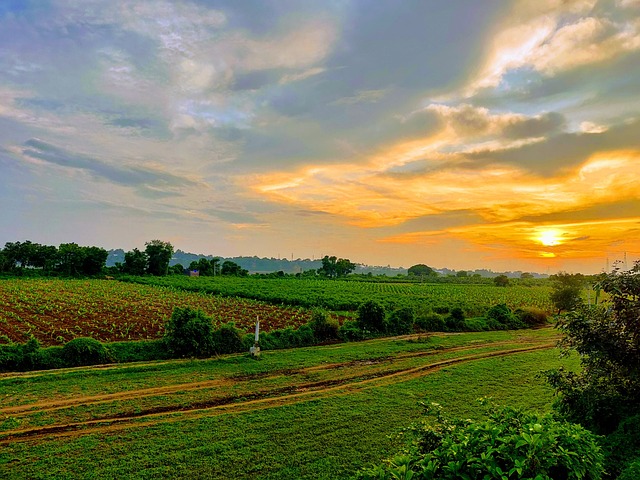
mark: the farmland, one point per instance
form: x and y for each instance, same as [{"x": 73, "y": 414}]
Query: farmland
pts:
[
  {"x": 319, "y": 412},
  {"x": 55, "y": 311},
  {"x": 347, "y": 295}
]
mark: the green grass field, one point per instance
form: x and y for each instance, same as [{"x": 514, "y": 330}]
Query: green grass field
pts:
[{"x": 320, "y": 412}]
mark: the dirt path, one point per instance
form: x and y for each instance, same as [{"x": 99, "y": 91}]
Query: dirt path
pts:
[{"x": 241, "y": 402}]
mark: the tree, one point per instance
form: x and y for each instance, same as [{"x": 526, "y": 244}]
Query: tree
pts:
[
  {"x": 501, "y": 280},
  {"x": 421, "y": 270},
  {"x": 135, "y": 262},
  {"x": 607, "y": 337},
  {"x": 70, "y": 259},
  {"x": 567, "y": 290},
  {"x": 159, "y": 254},
  {"x": 334, "y": 267},
  {"x": 233, "y": 269},
  {"x": 462, "y": 273},
  {"x": 176, "y": 269},
  {"x": 95, "y": 259},
  {"x": 371, "y": 316}
]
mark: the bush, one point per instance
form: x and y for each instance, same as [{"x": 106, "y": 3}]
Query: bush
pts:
[
  {"x": 17, "y": 356},
  {"x": 531, "y": 316},
  {"x": 622, "y": 447},
  {"x": 502, "y": 315},
  {"x": 631, "y": 472},
  {"x": 511, "y": 443},
  {"x": 84, "y": 351},
  {"x": 227, "y": 339},
  {"x": 350, "y": 331},
  {"x": 371, "y": 316},
  {"x": 323, "y": 327},
  {"x": 189, "y": 333},
  {"x": 430, "y": 322},
  {"x": 455, "y": 321},
  {"x": 400, "y": 321}
]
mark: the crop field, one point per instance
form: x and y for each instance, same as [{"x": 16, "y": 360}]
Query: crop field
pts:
[
  {"x": 319, "y": 412},
  {"x": 347, "y": 295},
  {"x": 56, "y": 311}
]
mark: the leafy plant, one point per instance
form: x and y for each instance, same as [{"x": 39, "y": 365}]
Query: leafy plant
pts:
[
  {"x": 400, "y": 321},
  {"x": 84, "y": 351},
  {"x": 227, "y": 339},
  {"x": 371, "y": 316},
  {"x": 511, "y": 443},
  {"x": 189, "y": 333}
]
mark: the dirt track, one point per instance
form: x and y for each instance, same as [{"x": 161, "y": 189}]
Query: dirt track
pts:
[{"x": 341, "y": 379}]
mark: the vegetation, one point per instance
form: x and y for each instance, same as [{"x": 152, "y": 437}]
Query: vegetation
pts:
[
  {"x": 319, "y": 412},
  {"x": 567, "y": 291},
  {"x": 511, "y": 443}
]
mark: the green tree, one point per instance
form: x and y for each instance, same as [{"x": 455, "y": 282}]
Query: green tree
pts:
[
  {"x": 94, "y": 260},
  {"x": 607, "y": 336},
  {"x": 233, "y": 269},
  {"x": 371, "y": 316},
  {"x": 70, "y": 259},
  {"x": 176, "y": 269},
  {"x": 567, "y": 290},
  {"x": 135, "y": 262},
  {"x": 334, "y": 267},
  {"x": 501, "y": 280},
  {"x": 159, "y": 254},
  {"x": 421, "y": 270}
]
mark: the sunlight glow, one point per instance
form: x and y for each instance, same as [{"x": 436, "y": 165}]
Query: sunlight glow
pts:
[{"x": 549, "y": 237}]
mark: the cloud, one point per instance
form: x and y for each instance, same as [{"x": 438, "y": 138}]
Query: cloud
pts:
[
  {"x": 132, "y": 176},
  {"x": 550, "y": 37}
]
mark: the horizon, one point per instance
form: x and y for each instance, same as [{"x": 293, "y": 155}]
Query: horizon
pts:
[{"x": 500, "y": 135}]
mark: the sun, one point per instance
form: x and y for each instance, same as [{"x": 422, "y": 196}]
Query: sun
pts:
[{"x": 549, "y": 237}]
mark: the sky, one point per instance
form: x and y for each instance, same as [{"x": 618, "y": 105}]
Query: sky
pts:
[{"x": 461, "y": 134}]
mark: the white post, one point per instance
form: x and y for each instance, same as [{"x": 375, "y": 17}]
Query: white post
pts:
[{"x": 255, "y": 350}]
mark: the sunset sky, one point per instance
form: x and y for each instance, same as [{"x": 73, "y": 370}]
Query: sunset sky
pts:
[{"x": 462, "y": 134}]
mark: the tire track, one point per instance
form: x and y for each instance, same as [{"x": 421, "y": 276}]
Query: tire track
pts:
[{"x": 269, "y": 398}]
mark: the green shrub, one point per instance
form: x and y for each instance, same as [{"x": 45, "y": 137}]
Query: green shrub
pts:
[
  {"x": 531, "y": 316},
  {"x": 324, "y": 328},
  {"x": 371, "y": 316},
  {"x": 84, "y": 351},
  {"x": 139, "y": 351},
  {"x": 18, "y": 357},
  {"x": 510, "y": 444},
  {"x": 430, "y": 322},
  {"x": 622, "y": 446},
  {"x": 400, "y": 321},
  {"x": 455, "y": 321},
  {"x": 631, "y": 472},
  {"x": 502, "y": 315},
  {"x": 50, "y": 358},
  {"x": 189, "y": 333},
  {"x": 350, "y": 331},
  {"x": 227, "y": 339}
]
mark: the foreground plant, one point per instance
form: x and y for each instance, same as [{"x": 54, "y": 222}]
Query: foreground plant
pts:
[{"x": 510, "y": 444}]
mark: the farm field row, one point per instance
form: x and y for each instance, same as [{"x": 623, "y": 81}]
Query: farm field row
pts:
[
  {"x": 340, "y": 295},
  {"x": 55, "y": 311},
  {"x": 319, "y": 412}
]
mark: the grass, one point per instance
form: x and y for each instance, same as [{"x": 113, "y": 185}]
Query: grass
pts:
[{"x": 317, "y": 436}]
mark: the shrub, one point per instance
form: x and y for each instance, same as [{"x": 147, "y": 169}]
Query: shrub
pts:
[
  {"x": 227, "y": 339},
  {"x": 455, "y": 320},
  {"x": 430, "y": 322},
  {"x": 531, "y": 316},
  {"x": 17, "y": 356},
  {"x": 371, "y": 316},
  {"x": 189, "y": 333},
  {"x": 323, "y": 327},
  {"x": 400, "y": 321},
  {"x": 502, "y": 315},
  {"x": 631, "y": 472},
  {"x": 84, "y": 351},
  {"x": 350, "y": 331},
  {"x": 622, "y": 447},
  {"x": 511, "y": 443}
]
